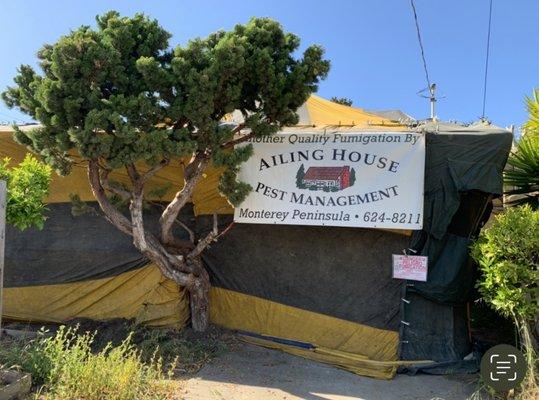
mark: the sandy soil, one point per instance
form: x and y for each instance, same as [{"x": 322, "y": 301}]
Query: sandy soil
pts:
[{"x": 254, "y": 373}]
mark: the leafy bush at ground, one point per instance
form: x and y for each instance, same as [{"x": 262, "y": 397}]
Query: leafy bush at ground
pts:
[
  {"x": 27, "y": 186},
  {"x": 68, "y": 369},
  {"x": 508, "y": 257}
]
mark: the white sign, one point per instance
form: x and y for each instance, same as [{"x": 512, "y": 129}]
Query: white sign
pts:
[
  {"x": 370, "y": 179},
  {"x": 413, "y": 268}
]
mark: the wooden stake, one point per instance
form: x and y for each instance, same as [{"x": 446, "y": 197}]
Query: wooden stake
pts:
[{"x": 3, "y": 193}]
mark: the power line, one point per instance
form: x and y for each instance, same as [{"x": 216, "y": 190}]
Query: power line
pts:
[
  {"x": 420, "y": 44},
  {"x": 486, "y": 61}
]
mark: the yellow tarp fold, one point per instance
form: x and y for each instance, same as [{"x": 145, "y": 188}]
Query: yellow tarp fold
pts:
[
  {"x": 325, "y": 113},
  {"x": 143, "y": 294},
  {"x": 369, "y": 345}
]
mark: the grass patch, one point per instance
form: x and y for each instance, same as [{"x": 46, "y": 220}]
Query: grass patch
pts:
[
  {"x": 116, "y": 360},
  {"x": 67, "y": 369},
  {"x": 190, "y": 350},
  {"x": 189, "y": 354}
]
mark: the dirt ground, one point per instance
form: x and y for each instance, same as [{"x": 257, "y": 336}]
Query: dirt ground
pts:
[
  {"x": 217, "y": 366},
  {"x": 253, "y": 373}
]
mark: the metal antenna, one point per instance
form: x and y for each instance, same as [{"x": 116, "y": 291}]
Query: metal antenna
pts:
[
  {"x": 431, "y": 90},
  {"x": 432, "y": 99}
]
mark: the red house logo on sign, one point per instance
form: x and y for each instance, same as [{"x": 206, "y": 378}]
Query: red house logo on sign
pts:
[
  {"x": 413, "y": 268},
  {"x": 328, "y": 179}
]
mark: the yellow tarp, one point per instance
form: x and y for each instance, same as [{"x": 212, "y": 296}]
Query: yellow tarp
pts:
[
  {"x": 206, "y": 196},
  {"x": 143, "y": 294},
  {"x": 324, "y": 113},
  {"x": 354, "y": 347}
]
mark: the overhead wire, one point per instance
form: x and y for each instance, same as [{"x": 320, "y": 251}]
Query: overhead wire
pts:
[
  {"x": 486, "y": 62},
  {"x": 421, "y": 44}
]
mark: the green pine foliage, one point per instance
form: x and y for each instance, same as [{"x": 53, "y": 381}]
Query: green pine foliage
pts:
[
  {"x": 119, "y": 94},
  {"x": 27, "y": 186},
  {"x": 345, "y": 101},
  {"x": 299, "y": 177}
]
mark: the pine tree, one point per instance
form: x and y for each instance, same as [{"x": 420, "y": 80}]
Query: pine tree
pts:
[
  {"x": 352, "y": 177},
  {"x": 121, "y": 98},
  {"x": 299, "y": 177},
  {"x": 345, "y": 101}
]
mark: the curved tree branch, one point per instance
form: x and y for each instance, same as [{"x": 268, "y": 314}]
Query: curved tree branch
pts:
[
  {"x": 152, "y": 171},
  {"x": 204, "y": 242},
  {"x": 124, "y": 194},
  {"x": 241, "y": 139},
  {"x": 111, "y": 212},
  {"x": 193, "y": 173},
  {"x": 149, "y": 245},
  {"x": 153, "y": 250}
]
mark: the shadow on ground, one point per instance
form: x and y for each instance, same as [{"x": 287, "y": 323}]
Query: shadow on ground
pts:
[{"x": 250, "y": 372}]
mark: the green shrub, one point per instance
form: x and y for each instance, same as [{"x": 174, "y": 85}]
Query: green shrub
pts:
[
  {"x": 68, "y": 369},
  {"x": 508, "y": 256},
  {"x": 27, "y": 186},
  {"x": 523, "y": 176}
]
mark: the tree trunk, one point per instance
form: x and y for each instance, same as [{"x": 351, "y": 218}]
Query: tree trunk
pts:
[
  {"x": 529, "y": 351},
  {"x": 199, "y": 300},
  {"x": 182, "y": 264}
]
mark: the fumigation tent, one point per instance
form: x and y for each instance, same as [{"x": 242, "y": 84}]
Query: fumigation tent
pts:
[{"x": 325, "y": 293}]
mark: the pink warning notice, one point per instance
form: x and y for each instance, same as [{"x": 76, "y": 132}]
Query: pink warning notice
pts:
[{"x": 410, "y": 267}]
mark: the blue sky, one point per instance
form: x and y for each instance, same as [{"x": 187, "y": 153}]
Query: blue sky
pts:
[{"x": 372, "y": 45}]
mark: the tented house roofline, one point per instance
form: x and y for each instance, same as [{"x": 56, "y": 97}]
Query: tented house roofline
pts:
[{"x": 319, "y": 114}]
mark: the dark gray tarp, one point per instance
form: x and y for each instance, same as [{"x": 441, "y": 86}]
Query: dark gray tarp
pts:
[
  {"x": 73, "y": 249},
  {"x": 342, "y": 272},
  {"x": 464, "y": 167}
]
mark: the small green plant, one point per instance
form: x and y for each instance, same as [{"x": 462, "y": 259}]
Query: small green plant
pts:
[
  {"x": 68, "y": 369},
  {"x": 523, "y": 174},
  {"x": 191, "y": 354},
  {"x": 345, "y": 101},
  {"x": 508, "y": 257},
  {"x": 27, "y": 186}
]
